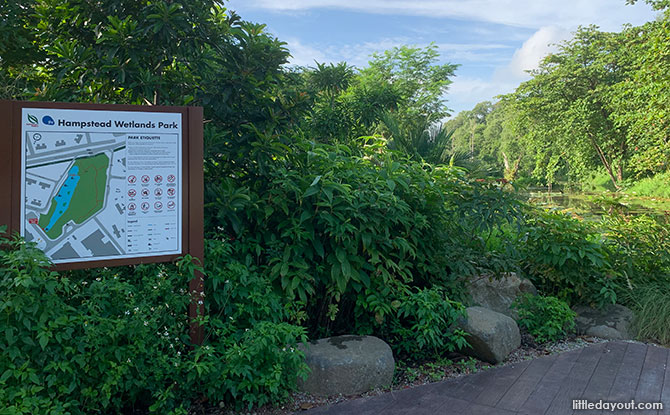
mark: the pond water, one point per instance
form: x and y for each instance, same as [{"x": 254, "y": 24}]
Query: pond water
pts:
[
  {"x": 64, "y": 196},
  {"x": 592, "y": 206}
]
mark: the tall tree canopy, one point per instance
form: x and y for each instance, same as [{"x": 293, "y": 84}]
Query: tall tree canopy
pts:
[
  {"x": 405, "y": 81},
  {"x": 599, "y": 105}
]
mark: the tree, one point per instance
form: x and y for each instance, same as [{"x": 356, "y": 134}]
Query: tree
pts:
[
  {"x": 656, "y": 4},
  {"x": 567, "y": 108},
  {"x": 419, "y": 81},
  {"x": 642, "y": 102},
  {"x": 404, "y": 81}
]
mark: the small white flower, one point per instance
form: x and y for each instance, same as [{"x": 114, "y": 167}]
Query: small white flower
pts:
[
  {"x": 146, "y": 323},
  {"x": 127, "y": 312}
]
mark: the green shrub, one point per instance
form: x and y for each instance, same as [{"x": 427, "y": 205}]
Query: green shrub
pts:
[
  {"x": 639, "y": 247},
  {"x": 416, "y": 323},
  {"x": 87, "y": 342},
  {"x": 567, "y": 258},
  {"x": 424, "y": 324},
  {"x": 330, "y": 222},
  {"x": 108, "y": 340},
  {"x": 250, "y": 356},
  {"x": 546, "y": 318}
]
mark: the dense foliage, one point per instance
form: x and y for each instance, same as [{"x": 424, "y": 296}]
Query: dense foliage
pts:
[
  {"x": 567, "y": 258},
  {"x": 111, "y": 340},
  {"x": 546, "y": 318}
]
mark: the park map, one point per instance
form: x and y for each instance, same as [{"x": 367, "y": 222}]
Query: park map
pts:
[{"x": 92, "y": 194}]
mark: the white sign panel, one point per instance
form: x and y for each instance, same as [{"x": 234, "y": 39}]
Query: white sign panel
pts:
[{"x": 99, "y": 185}]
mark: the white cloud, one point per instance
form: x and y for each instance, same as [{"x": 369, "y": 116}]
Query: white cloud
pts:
[
  {"x": 609, "y": 14},
  {"x": 528, "y": 57},
  {"x": 354, "y": 54},
  {"x": 304, "y": 55},
  {"x": 465, "y": 92},
  {"x": 359, "y": 54}
]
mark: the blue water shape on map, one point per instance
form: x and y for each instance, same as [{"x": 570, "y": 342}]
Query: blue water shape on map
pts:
[{"x": 64, "y": 196}]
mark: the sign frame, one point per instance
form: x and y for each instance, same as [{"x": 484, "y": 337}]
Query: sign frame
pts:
[{"x": 192, "y": 180}]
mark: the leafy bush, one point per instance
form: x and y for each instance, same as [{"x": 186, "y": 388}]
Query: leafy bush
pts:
[
  {"x": 546, "y": 318},
  {"x": 107, "y": 340},
  {"x": 416, "y": 323},
  {"x": 89, "y": 342},
  {"x": 331, "y": 221},
  {"x": 567, "y": 258},
  {"x": 639, "y": 247},
  {"x": 251, "y": 356},
  {"x": 424, "y": 324}
]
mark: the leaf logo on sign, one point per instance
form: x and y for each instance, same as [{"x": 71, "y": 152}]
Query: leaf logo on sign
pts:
[{"x": 32, "y": 120}]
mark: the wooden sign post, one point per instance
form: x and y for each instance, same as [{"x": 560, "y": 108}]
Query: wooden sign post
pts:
[{"x": 96, "y": 185}]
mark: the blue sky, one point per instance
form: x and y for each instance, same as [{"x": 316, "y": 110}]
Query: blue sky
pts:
[{"x": 493, "y": 41}]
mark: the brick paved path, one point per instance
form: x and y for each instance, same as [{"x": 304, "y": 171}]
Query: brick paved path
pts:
[{"x": 614, "y": 371}]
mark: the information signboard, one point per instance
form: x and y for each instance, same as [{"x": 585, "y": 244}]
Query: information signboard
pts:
[
  {"x": 100, "y": 185},
  {"x": 104, "y": 185}
]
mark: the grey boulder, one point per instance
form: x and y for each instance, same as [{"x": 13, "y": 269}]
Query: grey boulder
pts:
[
  {"x": 347, "y": 365},
  {"x": 492, "y": 336},
  {"x": 498, "y": 293},
  {"x": 611, "y": 322}
]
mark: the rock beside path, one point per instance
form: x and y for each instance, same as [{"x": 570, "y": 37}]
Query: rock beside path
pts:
[
  {"x": 347, "y": 365},
  {"x": 612, "y": 322},
  {"x": 492, "y": 335},
  {"x": 498, "y": 294}
]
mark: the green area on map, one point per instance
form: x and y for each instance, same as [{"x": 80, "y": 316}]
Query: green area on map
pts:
[{"x": 85, "y": 195}]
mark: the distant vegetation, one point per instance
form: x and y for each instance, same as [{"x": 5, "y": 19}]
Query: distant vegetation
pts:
[{"x": 598, "y": 106}]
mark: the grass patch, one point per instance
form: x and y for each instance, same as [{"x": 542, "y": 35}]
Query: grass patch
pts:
[
  {"x": 651, "y": 305},
  {"x": 598, "y": 182},
  {"x": 410, "y": 372},
  {"x": 80, "y": 197},
  {"x": 657, "y": 186}
]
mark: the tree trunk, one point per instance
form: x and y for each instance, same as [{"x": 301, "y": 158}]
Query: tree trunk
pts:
[
  {"x": 510, "y": 172},
  {"x": 472, "y": 141},
  {"x": 603, "y": 160}
]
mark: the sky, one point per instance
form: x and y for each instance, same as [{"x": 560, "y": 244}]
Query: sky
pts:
[{"x": 494, "y": 41}]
